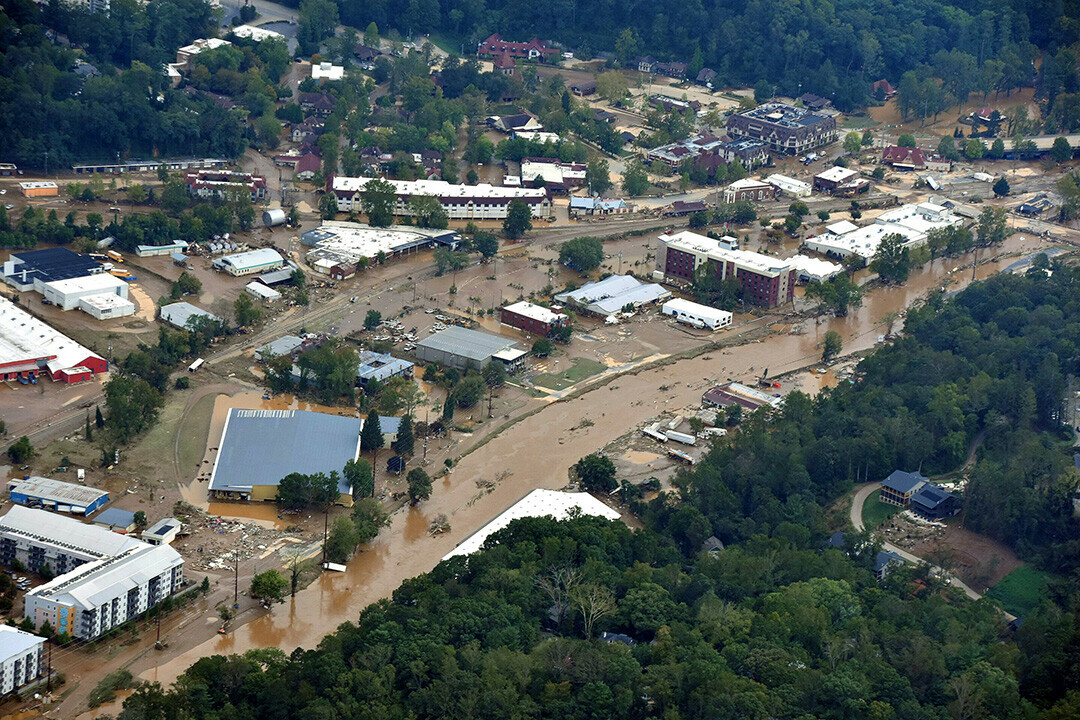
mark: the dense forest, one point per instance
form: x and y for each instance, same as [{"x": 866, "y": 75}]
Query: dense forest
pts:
[{"x": 776, "y": 624}]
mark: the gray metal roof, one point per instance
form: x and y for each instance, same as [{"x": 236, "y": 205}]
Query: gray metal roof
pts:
[
  {"x": 380, "y": 366},
  {"x": 259, "y": 447},
  {"x": 14, "y": 641},
  {"x": 612, "y": 294},
  {"x": 284, "y": 345},
  {"x": 117, "y": 517},
  {"x": 57, "y": 491},
  {"x": 466, "y": 343},
  {"x": 179, "y": 313}
]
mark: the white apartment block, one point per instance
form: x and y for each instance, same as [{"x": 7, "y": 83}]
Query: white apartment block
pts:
[
  {"x": 102, "y": 578},
  {"x": 21, "y": 658},
  {"x": 461, "y": 202}
]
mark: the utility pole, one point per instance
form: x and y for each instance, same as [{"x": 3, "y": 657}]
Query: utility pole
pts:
[
  {"x": 326, "y": 521},
  {"x": 236, "y": 581},
  {"x": 158, "y": 623},
  {"x": 48, "y": 681}
]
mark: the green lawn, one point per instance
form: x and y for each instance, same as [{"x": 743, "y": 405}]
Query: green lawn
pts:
[
  {"x": 1020, "y": 591},
  {"x": 875, "y": 512},
  {"x": 580, "y": 369}
]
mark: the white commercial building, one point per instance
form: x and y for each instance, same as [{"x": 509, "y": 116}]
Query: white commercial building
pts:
[
  {"x": 538, "y": 503},
  {"x": 789, "y": 185},
  {"x": 181, "y": 314},
  {"x": 811, "y": 269},
  {"x": 29, "y": 347},
  {"x": 610, "y": 296},
  {"x": 250, "y": 262},
  {"x": 257, "y": 34},
  {"x": 327, "y": 71},
  {"x": 553, "y": 173},
  {"x": 68, "y": 294},
  {"x": 910, "y": 222},
  {"x": 260, "y": 292},
  {"x": 22, "y": 658},
  {"x": 696, "y": 314},
  {"x": 461, "y": 202},
  {"x": 103, "y": 579},
  {"x": 345, "y": 243}
]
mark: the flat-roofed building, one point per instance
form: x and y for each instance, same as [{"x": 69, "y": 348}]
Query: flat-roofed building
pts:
[
  {"x": 339, "y": 248},
  {"x": 32, "y": 269},
  {"x": 256, "y": 34},
  {"x": 22, "y": 658},
  {"x": 66, "y": 294},
  {"x": 39, "y": 189},
  {"x": 461, "y": 202},
  {"x": 183, "y": 314},
  {"x": 260, "y": 292},
  {"x": 696, "y": 314},
  {"x": 163, "y": 532},
  {"x": 811, "y": 269},
  {"x": 461, "y": 348},
  {"x": 612, "y": 295},
  {"x": 532, "y": 318},
  {"x": 381, "y": 367},
  {"x": 831, "y": 179},
  {"x": 734, "y": 393},
  {"x": 49, "y": 494},
  {"x": 766, "y": 280},
  {"x": 790, "y": 186},
  {"x": 749, "y": 189}
]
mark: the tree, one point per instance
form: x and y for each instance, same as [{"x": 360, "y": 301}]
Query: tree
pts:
[
  {"x": 403, "y": 444},
  {"x": 419, "y": 485},
  {"x": 377, "y": 202},
  {"x": 269, "y": 586},
  {"x": 20, "y": 451},
  {"x": 635, "y": 178},
  {"x": 1001, "y": 187},
  {"x": 597, "y": 176},
  {"x": 136, "y": 194},
  {"x": 792, "y": 223},
  {"x": 518, "y": 219},
  {"x": 1061, "y": 150},
  {"x": 974, "y": 149},
  {"x": 947, "y": 148},
  {"x": 469, "y": 391},
  {"x": 99, "y": 419},
  {"x": 593, "y": 601},
  {"x": 542, "y": 347},
  {"x": 369, "y": 516},
  {"x": 140, "y": 519},
  {"x": 611, "y": 86},
  {"x": 997, "y": 149},
  {"x": 906, "y": 140},
  {"x": 174, "y": 196},
  {"x": 596, "y": 473},
  {"x": 831, "y": 345},
  {"x": 583, "y": 254},
  {"x": 328, "y": 206},
  {"x": 342, "y": 540},
  {"x": 853, "y": 142},
  {"x": 892, "y": 261},
  {"x": 358, "y": 473},
  {"x": 494, "y": 374},
  {"x": 371, "y": 35},
  {"x": 371, "y": 435},
  {"x": 372, "y": 319},
  {"x": 132, "y": 405},
  {"x": 318, "y": 20},
  {"x": 428, "y": 212},
  {"x": 992, "y": 226},
  {"x": 245, "y": 311},
  {"x": 836, "y": 295},
  {"x": 626, "y": 47},
  {"x": 486, "y": 243}
]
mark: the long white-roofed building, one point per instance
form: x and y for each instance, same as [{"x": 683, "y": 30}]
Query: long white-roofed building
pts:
[
  {"x": 461, "y": 202},
  {"x": 29, "y": 347},
  {"x": 21, "y": 658},
  {"x": 250, "y": 262}
]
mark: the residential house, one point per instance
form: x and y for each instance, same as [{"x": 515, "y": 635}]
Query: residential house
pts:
[
  {"x": 898, "y": 488},
  {"x": 645, "y": 63},
  {"x": 671, "y": 69},
  {"x": 909, "y": 158},
  {"x": 596, "y": 206},
  {"x": 680, "y": 208},
  {"x": 504, "y": 64},
  {"x": 604, "y": 116},
  {"x": 934, "y": 503},
  {"x": 583, "y": 88},
  {"x": 366, "y": 56},
  {"x": 814, "y": 102},
  {"x": 532, "y": 50},
  {"x": 707, "y": 76},
  {"x": 884, "y": 562},
  {"x": 517, "y": 123},
  {"x": 317, "y": 103}
]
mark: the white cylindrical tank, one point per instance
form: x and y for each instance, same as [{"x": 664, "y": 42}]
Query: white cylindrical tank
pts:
[{"x": 274, "y": 217}]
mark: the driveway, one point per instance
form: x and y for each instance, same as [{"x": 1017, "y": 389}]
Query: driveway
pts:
[{"x": 855, "y": 516}]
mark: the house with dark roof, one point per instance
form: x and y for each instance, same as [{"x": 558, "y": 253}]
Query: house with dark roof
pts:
[
  {"x": 836, "y": 540},
  {"x": 534, "y": 49},
  {"x": 645, "y": 63},
  {"x": 581, "y": 88},
  {"x": 604, "y": 116},
  {"x": 706, "y": 76},
  {"x": 909, "y": 158},
  {"x": 610, "y": 638},
  {"x": 933, "y": 503},
  {"x": 316, "y": 103},
  {"x": 681, "y": 207},
  {"x": 814, "y": 102},
  {"x": 898, "y": 488},
  {"x": 518, "y": 123},
  {"x": 712, "y": 544},
  {"x": 366, "y": 56},
  {"x": 671, "y": 69},
  {"x": 884, "y": 562}
]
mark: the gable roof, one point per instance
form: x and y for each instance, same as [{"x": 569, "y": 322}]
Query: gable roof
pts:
[
  {"x": 903, "y": 482},
  {"x": 931, "y": 496},
  {"x": 904, "y": 155},
  {"x": 886, "y": 558}
]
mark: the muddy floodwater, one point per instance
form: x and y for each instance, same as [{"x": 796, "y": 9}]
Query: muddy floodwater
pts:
[{"x": 536, "y": 453}]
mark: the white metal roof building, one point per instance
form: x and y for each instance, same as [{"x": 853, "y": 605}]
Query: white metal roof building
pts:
[
  {"x": 179, "y": 314},
  {"x": 609, "y": 296},
  {"x": 538, "y": 503},
  {"x": 789, "y": 185},
  {"x": 284, "y": 345},
  {"x": 252, "y": 261},
  {"x": 461, "y": 202},
  {"x": 28, "y": 345},
  {"x": 842, "y": 227},
  {"x": 163, "y": 532},
  {"x": 21, "y": 658},
  {"x": 811, "y": 269},
  {"x": 346, "y": 242},
  {"x": 862, "y": 242},
  {"x": 696, "y": 314},
  {"x": 261, "y": 292},
  {"x": 65, "y": 294},
  {"x": 57, "y": 495},
  {"x": 257, "y": 34}
]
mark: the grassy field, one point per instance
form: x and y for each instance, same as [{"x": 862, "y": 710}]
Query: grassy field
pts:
[
  {"x": 1020, "y": 591},
  {"x": 875, "y": 512},
  {"x": 581, "y": 369}
]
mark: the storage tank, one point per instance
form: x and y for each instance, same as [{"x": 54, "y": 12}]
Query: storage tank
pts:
[{"x": 274, "y": 217}]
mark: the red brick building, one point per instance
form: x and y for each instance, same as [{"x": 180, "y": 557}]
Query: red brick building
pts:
[{"x": 531, "y": 318}]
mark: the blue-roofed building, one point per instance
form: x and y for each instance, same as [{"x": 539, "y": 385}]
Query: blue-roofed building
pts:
[
  {"x": 117, "y": 520},
  {"x": 898, "y": 488},
  {"x": 33, "y": 269},
  {"x": 884, "y": 561},
  {"x": 49, "y": 494},
  {"x": 596, "y": 206},
  {"x": 933, "y": 503},
  {"x": 260, "y": 447}
]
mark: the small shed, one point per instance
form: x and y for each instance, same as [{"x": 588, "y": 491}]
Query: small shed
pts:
[
  {"x": 163, "y": 532},
  {"x": 117, "y": 520},
  {"x": 260, "y": 292}
]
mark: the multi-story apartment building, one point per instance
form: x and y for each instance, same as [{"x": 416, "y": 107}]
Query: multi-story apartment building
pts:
[
  {"x": 786, "y": 129},
  {"x": 461, "y": 202}
]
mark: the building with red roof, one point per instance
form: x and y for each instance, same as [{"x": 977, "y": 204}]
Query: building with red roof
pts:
[{"x": 495, "y": 46}]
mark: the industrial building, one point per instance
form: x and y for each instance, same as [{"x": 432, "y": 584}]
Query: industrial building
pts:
[
  {"x": 69, "y": 294},
  {"x": 612, "y": 295},
  {"x": 696, "y": 314},
  {"x": 787, "y": 129},
  {"x": 102, "y": 578},
  {"x": 790, "y": 186},
  {"x": 380, "y": 367},
  {"x": 260, "y": 447},
  {"x": 163, "y": 532},
  {"x": 339, "y": 248},
  {"x": 149, "y": 165},
  {"x": 462, "y": 348},
  {"x": 261, "y": 292},
  {"x": 538, "y": 503},
  {"x": 461, "y": 202},
  {"x": 31, "y": 270},
  {"x": 181, "y": 314},
  {"x": 250, "y": 262},
  {"x": 116, "y": 520},
  {"x": 29, "y": 347},
  {"x": 152, "y": 250},
  {"x": 766, "y": 280},
  {"x": 733, "y": 393},
  {"x": 532, "y": 318},
  {"x": 49, "y": 494},
  {"x": 284, "y": 345},
  {"x": 39, "y": 189},
  {"x": 22, "y": 658},
  {"x": 911, "y": 222}
]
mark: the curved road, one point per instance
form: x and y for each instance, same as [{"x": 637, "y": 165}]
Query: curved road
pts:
[{"x": 857, "y": 522}]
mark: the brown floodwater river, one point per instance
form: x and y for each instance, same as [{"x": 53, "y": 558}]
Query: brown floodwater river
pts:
[{"x": 536, "y": 452}]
